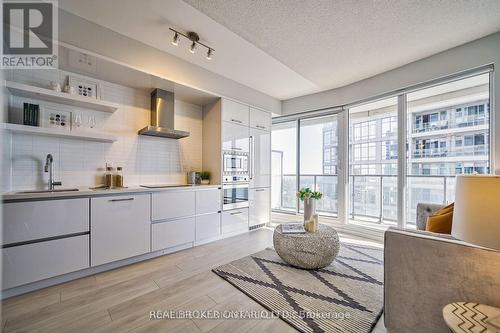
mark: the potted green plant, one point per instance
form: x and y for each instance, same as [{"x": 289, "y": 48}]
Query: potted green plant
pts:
[
  {"x": 205, "y": 177},
  {"x": 309, "y": 198}
]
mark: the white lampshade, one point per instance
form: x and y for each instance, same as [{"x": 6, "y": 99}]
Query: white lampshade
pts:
[{"x": 476, "y": 215}]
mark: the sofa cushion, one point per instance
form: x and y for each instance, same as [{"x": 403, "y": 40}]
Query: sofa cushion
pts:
[{"x": 441, "y": 220}]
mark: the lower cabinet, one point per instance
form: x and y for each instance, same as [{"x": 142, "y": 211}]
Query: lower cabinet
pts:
[
  {"x": 234, "y": 220},
  {"x": 119, "y": 227},
  {"x": 259, "y": 210},
  {"x": 208, "y": 226},
  {"x": 37, "y": 261},
  {"x": 172, "y": 233}
]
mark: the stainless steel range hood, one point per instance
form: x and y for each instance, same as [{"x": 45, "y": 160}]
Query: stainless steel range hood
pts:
[{"x": 162, "y": 116}]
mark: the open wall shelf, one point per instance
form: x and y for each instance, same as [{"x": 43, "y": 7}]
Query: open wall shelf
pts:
[
  {"x": 90, "y": 135},
  {"x": 28, "y": 91}
]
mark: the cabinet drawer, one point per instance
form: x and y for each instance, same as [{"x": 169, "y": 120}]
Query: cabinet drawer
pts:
[
  {"x": 259, "y": 210},
  {"x": 172, "y": 233},
  {"x": 34, "y": 262},
  {"x": 173, "y": 204},
  {"x": 119, "y": 227},
  {"x": 234, "y": 220},
  {"x": 235, "y": 112},
  {"x": 208, "y": 201},
  {"x": 208, "y": 226},
  {"x": 260, "y": 119},
  {"x": 24, "y": 221}
]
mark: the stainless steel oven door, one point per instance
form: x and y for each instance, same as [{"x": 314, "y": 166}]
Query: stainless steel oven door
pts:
[
  {"x": 235, "y": 196},
  {"x": 235, "y": 163}
]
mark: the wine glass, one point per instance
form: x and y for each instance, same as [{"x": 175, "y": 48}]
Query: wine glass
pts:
[
  {"x": 78, "y": 120},
  {"x": 91, "y": 121}
]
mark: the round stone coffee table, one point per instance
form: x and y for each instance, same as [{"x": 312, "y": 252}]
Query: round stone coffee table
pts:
[{"x": 309, "y": 250}]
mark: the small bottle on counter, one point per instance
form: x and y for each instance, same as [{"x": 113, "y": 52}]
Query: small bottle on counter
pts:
[
  {"x": 108, "y": 177},
  {"x": 119, "y": 177}
]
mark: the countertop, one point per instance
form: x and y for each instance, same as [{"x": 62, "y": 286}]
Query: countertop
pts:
[{"x": 87, "y": 192}]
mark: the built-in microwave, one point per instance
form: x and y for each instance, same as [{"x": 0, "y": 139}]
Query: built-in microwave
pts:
[
  {"x": 235, "y": 196},
  {"x": 235, "y": 162}
]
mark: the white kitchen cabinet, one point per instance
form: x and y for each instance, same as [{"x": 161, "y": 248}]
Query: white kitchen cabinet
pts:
[
  {"x": 235, "y": 137},
  {"x": 234, "y": 112},
  {"x": 208, "y": 226},
  {"x": 119, "y": 227},
  {"x": 260, "y": 206},
  {"x": 208, "y": 201},
  {"x": 31, "y": 220},
  {"x": 38, "y": 261},
  {"x": 234, "y": 220},
  {"x": 172, "y": 204},
  {"x": 172, "y": 233},
  {"x": 260, "y": 158},
  {"x": 260, "y": 119}
]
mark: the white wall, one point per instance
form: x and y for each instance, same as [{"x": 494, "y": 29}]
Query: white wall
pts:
[
  {"x": 81, "y": 163},
  {"x": 81, "y": 33},
  {"x": 474, "y": 54}
]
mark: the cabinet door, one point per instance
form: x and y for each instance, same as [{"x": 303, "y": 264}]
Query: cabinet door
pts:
[
  {"x": 235, "y": 137},
  {"x": 208, "y": 226},
  {"x": 208, "y": 201},
  {"x": 260, "y": 119},
  {"x": 234, "y": 220},
  {"x": 260, "y": 207},
  {"x": 172, "y": 233},
  {"x": 172, "y": 204},
  {"x": 25, "y": 221},
  {"x": 119, "y": 227},
  {"x": 260, "y": 158},
  {"x": 38, "y": 261},
  {"x": 234, "y": 112}
]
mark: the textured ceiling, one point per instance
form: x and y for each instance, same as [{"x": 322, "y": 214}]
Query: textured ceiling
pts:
[
  {"x": 289, "y": 48},
  {"x": 334, "y": 43}
]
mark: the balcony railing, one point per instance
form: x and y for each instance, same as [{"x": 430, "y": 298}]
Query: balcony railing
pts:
[
  {"x": 464, "y": 121},
  {"x": 476, "y": 150},
  {"x": 373, "y": 198}
]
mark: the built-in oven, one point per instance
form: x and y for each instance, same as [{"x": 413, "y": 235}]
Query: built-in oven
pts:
[
  {"x": 235, "y": 195},
  {"x": 235, "y": 162}
]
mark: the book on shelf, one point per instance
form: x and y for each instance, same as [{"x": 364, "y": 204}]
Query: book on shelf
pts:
[
  {"x": 293, "y": 228},
  {"x": 31, "y": 114}
]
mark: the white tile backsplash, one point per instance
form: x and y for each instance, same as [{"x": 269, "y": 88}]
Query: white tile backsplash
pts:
[{"x": 81, "y": 163}]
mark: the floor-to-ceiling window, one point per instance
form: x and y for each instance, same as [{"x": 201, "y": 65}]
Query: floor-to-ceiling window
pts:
[
  {"x": 284, "y": 166},
  {"x": 373, "y": 162},
  {"x": 448, "y": 133},
  {"x": 319, "y": 160}
]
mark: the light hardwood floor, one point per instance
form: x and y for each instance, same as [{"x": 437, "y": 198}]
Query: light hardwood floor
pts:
[{"x": 121, "y": 300}]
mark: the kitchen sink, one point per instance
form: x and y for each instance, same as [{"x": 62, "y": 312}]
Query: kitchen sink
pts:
[{"x": 50, "y": 191}]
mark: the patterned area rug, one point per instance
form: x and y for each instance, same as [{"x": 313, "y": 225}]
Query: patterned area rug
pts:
[{"x": 346, "y": 296}]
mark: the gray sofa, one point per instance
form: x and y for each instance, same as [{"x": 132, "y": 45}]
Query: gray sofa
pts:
[{"x": 424, "y": 271}]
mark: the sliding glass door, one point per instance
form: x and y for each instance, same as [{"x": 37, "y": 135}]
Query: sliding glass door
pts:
[
  {"x": 373, "y": 162},
  {"x": 319, "y": 161}
]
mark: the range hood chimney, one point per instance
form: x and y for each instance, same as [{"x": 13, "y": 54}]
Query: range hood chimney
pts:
[{"x": 162, "y": 116}]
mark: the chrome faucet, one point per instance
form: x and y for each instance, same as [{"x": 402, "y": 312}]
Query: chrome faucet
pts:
[{"x": 49, "y": 161}]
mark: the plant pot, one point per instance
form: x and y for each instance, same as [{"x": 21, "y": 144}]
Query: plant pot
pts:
[
  {"x": 205, "y": 181},
  {"x": 309, "y": 208}
]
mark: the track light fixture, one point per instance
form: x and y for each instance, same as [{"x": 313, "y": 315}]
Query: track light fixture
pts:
[
  {"x": 175, "y": 40},
  {"x": 195, "y": 41}
]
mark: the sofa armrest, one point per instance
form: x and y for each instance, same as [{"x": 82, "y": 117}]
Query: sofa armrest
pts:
[
  {"x": 424, "y": 210},
  {"x": 423, "y": 272}
]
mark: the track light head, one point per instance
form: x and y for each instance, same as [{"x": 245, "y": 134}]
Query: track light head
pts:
[
  {"x": 175, "y": 40},
  {"x": 192, "y": 48},
  {"x": 209, "y": 54}
]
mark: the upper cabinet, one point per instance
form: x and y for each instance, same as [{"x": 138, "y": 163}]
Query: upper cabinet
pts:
[
  {"x": 234, "y": 112},
  {"x": 260, "y": 119}
]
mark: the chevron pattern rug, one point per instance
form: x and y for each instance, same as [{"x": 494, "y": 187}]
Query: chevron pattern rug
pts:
[{"x": 346, "y": 296}]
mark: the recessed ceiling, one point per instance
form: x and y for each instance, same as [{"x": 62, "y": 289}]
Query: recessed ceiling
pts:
[{"x": 291, "y": 48}]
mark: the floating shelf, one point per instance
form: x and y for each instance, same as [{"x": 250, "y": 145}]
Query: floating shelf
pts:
[
  {"x": 24, "y": 90},
  {"x": 43, "y": 131}
]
